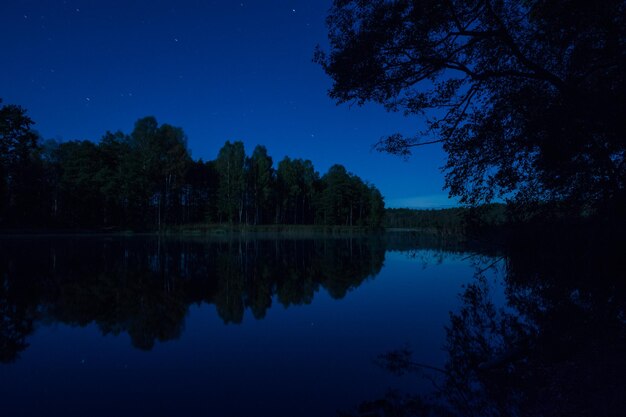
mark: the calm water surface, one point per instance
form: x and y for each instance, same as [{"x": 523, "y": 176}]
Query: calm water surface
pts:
[
  {"x": 101, "y": 326},
  {"x": 229, "y": 327}
]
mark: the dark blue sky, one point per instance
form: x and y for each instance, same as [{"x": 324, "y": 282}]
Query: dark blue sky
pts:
[{"x": 222, "y": 70}]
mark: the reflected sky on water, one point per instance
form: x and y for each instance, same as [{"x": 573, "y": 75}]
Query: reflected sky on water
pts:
[{"x": 229, "y": 327}]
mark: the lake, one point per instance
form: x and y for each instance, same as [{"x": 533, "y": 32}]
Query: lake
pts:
[{"x": 285, "y": 326}]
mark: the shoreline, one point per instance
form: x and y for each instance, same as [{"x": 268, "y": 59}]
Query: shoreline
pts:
[{"x": 221, "y": 230}]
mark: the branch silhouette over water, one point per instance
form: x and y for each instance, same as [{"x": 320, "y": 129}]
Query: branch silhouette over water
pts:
[{"x": 556, "y": 346}]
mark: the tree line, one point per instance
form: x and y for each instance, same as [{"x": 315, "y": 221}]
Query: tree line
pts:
[
  {"x": 147, "y": 180},
  {"x": 460, "y": 221}
]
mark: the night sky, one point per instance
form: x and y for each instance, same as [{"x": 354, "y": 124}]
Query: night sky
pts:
[{"x": 221, "y": 70}]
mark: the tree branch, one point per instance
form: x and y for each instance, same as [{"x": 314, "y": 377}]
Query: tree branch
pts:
[{"x": 505, "y": 36}]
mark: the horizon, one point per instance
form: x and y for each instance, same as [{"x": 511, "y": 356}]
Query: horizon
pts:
[{"x": 222, "y": 72}]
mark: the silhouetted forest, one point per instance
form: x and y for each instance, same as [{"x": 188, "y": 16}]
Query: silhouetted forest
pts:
[
  {"x": 460, "y": 221},
  {"x": 147, "y": 180}
]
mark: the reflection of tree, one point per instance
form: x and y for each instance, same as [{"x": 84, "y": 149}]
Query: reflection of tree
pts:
[
  {"x": 259, "y": 290},
  {"x": 342, "y": 261},
  {"x": 231, "y": 284},
  {"x": 17, "y": 313},
  {"x": 144, "y": 286},
  {"x": 556, "y": 348},
  {"x": 16, "y": 323}
]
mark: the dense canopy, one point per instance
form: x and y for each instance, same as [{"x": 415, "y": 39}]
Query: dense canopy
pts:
[
  {"x": 527, "y": 97},
  {"x": 147, "y": 180}
]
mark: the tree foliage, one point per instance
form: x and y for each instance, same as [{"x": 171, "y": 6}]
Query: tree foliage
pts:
[
  {"x": 296, "y": 184},
  {"x": 230, "y": 165},
  {"x": 527, "y": 97},
  {"x": 260, "y": 183},
  {"x": 19, "y": 169},
  {"x": 147, "y": 180},
  {"x": 459, "y": 221}
]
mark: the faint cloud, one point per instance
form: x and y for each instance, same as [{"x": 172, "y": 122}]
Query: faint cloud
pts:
[{"x": 430, "y": 201}]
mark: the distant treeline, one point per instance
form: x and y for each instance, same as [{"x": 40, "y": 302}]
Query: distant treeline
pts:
[
  {"x": 457, "y": 220},
  {"x": 147, "y": 180}
]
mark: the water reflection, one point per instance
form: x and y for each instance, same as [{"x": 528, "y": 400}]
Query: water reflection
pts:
[
  {"x": 557, "y": 346},
  {"x": 548, "y": 338},
  {"x": 144, "y": 286}
]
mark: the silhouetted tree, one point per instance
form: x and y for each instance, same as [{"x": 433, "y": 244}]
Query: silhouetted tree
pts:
[
  {"x": 295, "y": 179},
  {"x": 260, "y": 183},
  {"x": 81, "y": 201},
  {"x": 20, "y": 168},
  {"x": 114, "y": 178},
  {"x": 162, "y": 157},
  {"x": 200, "y": 192},
  {"x": 230, "y": 165},
  {"x": 376, "y": 212},
  {"x": 527, "y": 98},
  {"x": 336, "y": 198}
]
